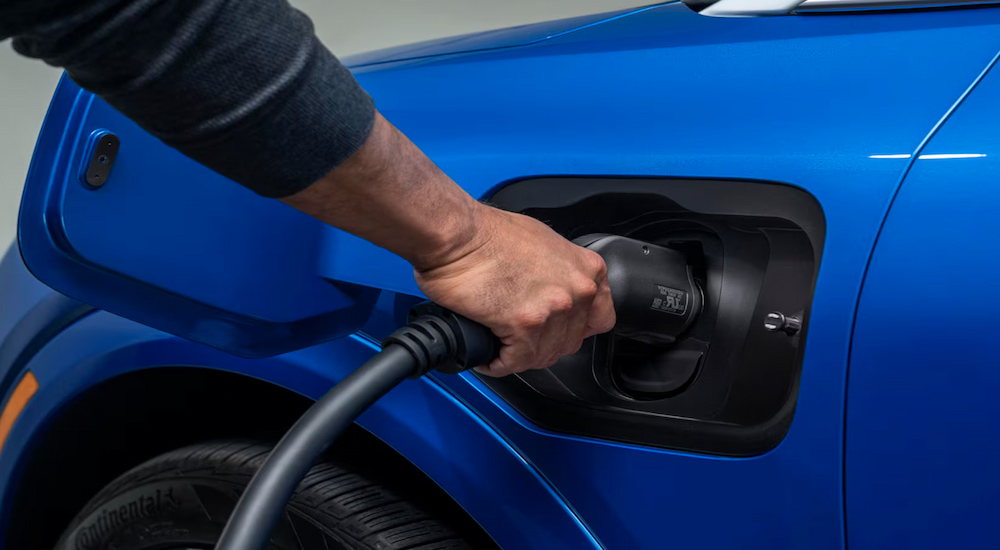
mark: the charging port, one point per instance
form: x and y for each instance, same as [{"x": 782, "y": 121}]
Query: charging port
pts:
[{"x": 697, "y": 370}]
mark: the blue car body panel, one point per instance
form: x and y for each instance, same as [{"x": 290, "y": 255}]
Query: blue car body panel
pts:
[
  {"x": 509, "y": 37},
  {"x": 801, "y": 100},
  {"x": 835, "y": 105},
  {"x": 255, "y": 292},
  {"x": 921, "y": 421}
]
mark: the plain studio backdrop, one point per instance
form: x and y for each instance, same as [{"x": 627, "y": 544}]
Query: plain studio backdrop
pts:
[{"x": 345, "y": 26}]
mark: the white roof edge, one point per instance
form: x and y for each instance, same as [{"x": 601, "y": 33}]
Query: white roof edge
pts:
[
  {"x": 750, "y": 8},
  {"x": 756, "y": 8}
]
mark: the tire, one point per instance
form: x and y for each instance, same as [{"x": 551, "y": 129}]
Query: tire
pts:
[{"x": 182, "y": 499}]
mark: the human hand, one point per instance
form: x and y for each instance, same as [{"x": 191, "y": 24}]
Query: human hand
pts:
[{"x": 539, "y": 293}]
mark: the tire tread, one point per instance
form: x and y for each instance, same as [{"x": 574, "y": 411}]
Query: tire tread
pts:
[{"x": 364, "y": 513}]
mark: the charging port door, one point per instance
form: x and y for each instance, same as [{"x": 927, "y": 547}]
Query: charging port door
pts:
[{"x": 113, "y": 217}]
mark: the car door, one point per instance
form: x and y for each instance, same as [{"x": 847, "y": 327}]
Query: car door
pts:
[
  {"x": 768, "y": 149},
  {"x": 922, "y": 407}
]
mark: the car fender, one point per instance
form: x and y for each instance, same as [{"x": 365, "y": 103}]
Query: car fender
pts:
[{"x": 420, "y": 419}]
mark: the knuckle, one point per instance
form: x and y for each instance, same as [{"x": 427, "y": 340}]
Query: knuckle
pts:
[
  {"x": 531, "y": 320},
  {"x": 561, "y": 303},
  {"x": 587, "y": 289},
  {"x": 597, "y": 265}
]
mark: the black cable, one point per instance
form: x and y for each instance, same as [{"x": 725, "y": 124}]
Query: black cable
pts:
[
  {"x": 434, "y": 338},
  {"x": 264, "y": 501}
]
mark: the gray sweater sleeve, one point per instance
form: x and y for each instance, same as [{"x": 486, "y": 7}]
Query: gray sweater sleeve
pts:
[{"x": 241, "y": 86}]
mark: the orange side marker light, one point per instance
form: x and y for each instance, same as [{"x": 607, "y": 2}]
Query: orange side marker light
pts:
[{"x": 23, "y": 393}]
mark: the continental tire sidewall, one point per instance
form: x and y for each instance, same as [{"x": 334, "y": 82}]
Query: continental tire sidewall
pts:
[
  {"x": 188, "y": 511},
  {"x": 184, "y": 498}
]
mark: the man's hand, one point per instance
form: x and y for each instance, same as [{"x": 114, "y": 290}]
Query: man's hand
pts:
[{"x": 541, "y": 294}]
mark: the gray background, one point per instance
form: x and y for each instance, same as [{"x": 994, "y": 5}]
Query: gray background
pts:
[{"x": 345, "y": 26}]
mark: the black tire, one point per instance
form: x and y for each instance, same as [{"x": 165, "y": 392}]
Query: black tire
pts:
[{"x": 182, "y": 499}]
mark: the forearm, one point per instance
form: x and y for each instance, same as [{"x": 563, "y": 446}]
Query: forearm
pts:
[
  {"x": 391, "y": 194},
  {"x": 243, "y": 87}
]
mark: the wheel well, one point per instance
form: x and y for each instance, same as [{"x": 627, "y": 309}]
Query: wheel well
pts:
[{"x": 146, "y": 413}]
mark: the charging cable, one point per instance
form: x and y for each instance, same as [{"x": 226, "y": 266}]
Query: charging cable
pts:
[{"x": 435, "y": 338}]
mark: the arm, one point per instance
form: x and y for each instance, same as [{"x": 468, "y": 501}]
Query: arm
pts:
[
  {"x": 541, "y": 294},
  {"x": 245, "y": 88}
]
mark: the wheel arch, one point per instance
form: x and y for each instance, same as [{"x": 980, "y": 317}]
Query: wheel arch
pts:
[
  {"x": 125, "y": 413},
  {"x": 107, "y": 381}
]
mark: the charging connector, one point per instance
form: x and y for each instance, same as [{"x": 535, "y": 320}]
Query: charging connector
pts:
[{"x": 656, "y": 296}]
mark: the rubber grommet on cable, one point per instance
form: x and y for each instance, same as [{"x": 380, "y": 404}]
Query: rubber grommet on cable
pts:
[
  {"x": 429, "y": 340},
  {"x": 445, "y": 341}
]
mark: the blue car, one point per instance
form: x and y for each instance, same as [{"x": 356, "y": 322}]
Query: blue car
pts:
[{"x": 829, "y": 174}]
